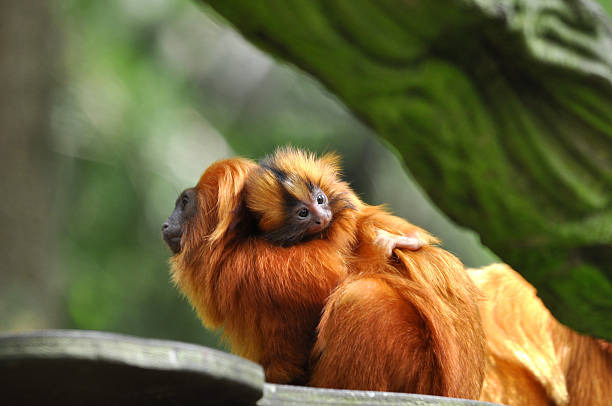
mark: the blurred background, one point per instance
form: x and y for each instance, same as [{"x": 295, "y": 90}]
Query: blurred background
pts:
[{"x": 110, "y": 109}]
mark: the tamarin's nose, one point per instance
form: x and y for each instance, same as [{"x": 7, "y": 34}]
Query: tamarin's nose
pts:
[{"x": 165, "y": 226}]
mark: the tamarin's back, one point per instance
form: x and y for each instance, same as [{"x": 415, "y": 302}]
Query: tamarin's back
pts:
[{"x": 405, "y": 324}]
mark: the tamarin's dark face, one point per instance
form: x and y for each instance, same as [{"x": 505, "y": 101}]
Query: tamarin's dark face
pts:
[
  {"x": 305, "y": 217},
  {"x": 312, "y": 215},
  {"x": 184, "y": 208}
]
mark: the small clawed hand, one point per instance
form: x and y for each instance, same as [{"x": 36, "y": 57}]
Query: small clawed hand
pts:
[{"x": 388, "y": 241}]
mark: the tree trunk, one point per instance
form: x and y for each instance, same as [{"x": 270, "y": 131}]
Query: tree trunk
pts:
[{"x": 28, "y": 273}]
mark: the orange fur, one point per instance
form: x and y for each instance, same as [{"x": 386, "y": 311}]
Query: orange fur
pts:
[
  {"x": 267, "y": 299},
  {"x": 531, "y": 358},
  {"x": 406, "y": 324},
  {"x": 409, "y": 325}
]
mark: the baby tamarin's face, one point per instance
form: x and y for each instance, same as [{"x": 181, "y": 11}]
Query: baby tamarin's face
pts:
[
  {"x": 309, "y": 215},
  {"x": 295, "y": 196}
]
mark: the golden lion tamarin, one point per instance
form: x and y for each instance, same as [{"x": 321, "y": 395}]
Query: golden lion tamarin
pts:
[
  {"x": 267, "y": 299},
  {"x": 403, "y": 324},
  {"x": 294, "y": 196},
  {"x": 251, "y": 260}
]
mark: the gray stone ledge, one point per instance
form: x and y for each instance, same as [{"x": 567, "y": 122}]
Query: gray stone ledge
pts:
[
  {"x": 89, "y": 367},
  {"x": 71, "y": 367},
  {"x": 277, "y": 395}
]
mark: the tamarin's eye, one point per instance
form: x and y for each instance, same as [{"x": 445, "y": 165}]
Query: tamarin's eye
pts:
[
  {"x": 184, "y": 201},
  {"x": 320, "y": 199},
  {"x": 303, "y": 212}
]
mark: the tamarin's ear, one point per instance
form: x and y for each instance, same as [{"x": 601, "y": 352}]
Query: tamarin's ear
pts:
[{"x": 241, "y": 216}]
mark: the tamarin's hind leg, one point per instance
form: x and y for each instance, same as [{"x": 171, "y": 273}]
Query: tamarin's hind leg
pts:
[
  {"x": 370, "y": 338},
  {"x": 285, "y": 357}
]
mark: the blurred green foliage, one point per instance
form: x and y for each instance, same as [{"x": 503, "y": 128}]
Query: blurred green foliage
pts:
[
  {"x": 607, "y": 5},
  {"x": 113, "y": 124},
  {"x": 151, "y": 93}
]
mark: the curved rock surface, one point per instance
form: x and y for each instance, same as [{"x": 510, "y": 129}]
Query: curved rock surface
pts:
[{"x": 502, "y": 110}]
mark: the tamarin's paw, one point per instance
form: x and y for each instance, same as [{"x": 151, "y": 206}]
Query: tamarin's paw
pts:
[{"x": 388, "y": 242}]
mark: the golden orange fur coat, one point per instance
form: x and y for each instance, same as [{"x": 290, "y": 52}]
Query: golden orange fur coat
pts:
[
  {"x": 269, "y": 299},
  {"x": 532, "y": 359}
]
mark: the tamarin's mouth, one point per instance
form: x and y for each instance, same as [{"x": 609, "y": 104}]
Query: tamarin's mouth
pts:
[
  {"x": 318, "y": 226},
  {"x": 174, "y": 243}
]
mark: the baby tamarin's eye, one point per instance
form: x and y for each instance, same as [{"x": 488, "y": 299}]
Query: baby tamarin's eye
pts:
[
  {"x": 303, "y": 212},
  {"x": 320, "y": 199}
]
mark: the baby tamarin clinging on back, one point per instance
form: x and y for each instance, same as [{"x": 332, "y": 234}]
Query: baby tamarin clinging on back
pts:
[{"x": 294, "y": 197}]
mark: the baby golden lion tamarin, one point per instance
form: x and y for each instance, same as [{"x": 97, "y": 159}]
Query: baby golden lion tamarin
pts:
[
  {"x": 261, "y": 262},
  {"x": 295, "y": 196}
]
